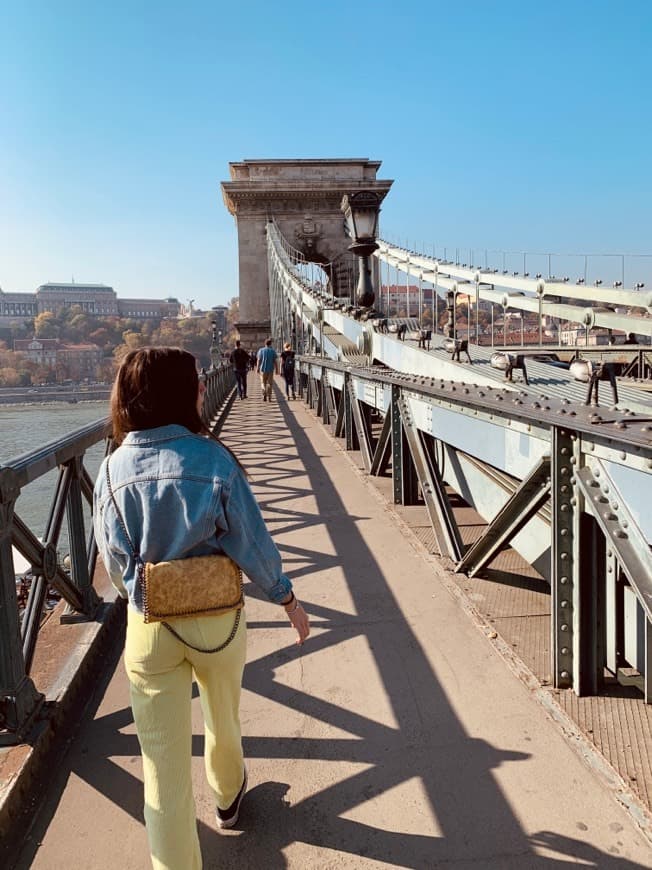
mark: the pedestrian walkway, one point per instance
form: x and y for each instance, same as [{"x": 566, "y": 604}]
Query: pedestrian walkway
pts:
[{"x": 396, "y": 737}]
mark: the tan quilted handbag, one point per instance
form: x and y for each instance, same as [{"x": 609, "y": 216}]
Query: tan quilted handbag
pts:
[{"x": 199, "y": 586}]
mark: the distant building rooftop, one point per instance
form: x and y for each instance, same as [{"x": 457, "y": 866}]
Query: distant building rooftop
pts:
[{"x": 52, "y": 287}]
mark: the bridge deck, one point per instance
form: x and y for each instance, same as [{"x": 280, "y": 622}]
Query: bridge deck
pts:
[{"x": 396, "y": 737}]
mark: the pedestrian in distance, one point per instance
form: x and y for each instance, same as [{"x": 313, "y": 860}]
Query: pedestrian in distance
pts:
[
  {"x": 239, "y": 360},
  {"x": 287, "y": 369},
  {"x": 252, "y": 361},
  {"x": 172, "y": 491},
  {"x": 267, "y": 366}
]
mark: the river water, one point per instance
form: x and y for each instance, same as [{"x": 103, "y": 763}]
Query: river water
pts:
[{"x": 26, "y": 427}]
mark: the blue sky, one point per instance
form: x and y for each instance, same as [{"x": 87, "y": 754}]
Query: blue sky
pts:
[{"x": 506, "y": 125}]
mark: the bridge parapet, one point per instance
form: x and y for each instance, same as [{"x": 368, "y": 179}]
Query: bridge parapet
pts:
[{"x": 565, "y": 486}]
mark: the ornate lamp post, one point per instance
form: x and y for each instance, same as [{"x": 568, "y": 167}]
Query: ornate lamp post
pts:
[{"x": 361, "y": 216}]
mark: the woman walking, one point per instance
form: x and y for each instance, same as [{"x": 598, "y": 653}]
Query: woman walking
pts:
[
  {"x": 287, "y": 369},
  {"x": 172, "y": 492}
]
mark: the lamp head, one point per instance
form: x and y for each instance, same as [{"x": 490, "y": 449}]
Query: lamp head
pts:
[{"x": 361, "y": 217}]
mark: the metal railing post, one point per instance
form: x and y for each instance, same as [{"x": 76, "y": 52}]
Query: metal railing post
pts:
[
  {"x": 78, "y": 549},
  {"x": 19, "y": 700}
]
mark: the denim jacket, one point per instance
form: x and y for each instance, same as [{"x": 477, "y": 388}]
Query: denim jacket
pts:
[{"x": 180, "y": 495}]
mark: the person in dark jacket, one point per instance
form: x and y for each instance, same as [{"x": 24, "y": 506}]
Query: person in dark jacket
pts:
[
  {"x": 239, "y": 359},
  {"x": 287, "y": 369}
]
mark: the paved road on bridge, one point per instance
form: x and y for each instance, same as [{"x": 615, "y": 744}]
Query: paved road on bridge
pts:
[{"x": 397, "y": 737}]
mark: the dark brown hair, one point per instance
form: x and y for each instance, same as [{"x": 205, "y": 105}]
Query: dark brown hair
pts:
[{"x": 155, "y": 386}]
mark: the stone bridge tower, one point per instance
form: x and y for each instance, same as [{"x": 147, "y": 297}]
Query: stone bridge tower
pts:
[{"x": 304, "y": 198}]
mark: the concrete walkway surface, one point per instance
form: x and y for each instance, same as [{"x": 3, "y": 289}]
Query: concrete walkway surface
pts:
[{"x": 396, "y": 737}]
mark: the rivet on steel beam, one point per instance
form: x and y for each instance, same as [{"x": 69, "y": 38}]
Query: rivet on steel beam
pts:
[
  {"x": 564, "y": 627},
  {"x": 565, "y": 650},
  {"x": 563, "y": 557},
  {"x": 564, "y": 675},
  {"x": 563, "y": 604},
  {"x": 563, "y": 580},
  {"x": 564, "y": 451}
]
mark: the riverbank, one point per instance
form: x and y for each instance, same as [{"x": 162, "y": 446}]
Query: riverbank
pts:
[{"x": 72, "y": 397}]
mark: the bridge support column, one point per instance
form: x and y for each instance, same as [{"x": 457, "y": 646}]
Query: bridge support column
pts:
[
  {"x": 564, "y": 554},
  {"x": 19, "y": 700}
]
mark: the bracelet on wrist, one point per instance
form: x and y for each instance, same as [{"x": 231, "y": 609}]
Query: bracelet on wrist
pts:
[
  {"x": 290, "y": 600},
  {"x": 296, "y": 605}
]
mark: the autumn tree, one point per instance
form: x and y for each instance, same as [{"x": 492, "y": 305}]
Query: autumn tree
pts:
[{"x": 46, "y": 325}]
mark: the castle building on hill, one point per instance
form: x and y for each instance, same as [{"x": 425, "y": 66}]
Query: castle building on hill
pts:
[{"x": 95, "y": 299}]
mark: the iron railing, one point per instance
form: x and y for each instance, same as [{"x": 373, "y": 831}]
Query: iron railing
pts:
[{"x": 565, "y": 485}]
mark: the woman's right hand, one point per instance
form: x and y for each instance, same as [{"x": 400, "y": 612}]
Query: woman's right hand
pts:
[{"x": 299, "y": 619}]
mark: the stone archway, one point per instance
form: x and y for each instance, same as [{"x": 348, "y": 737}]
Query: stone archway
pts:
[{"x": 304, "y": 197}]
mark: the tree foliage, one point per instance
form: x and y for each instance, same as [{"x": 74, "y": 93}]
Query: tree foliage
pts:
[{"x": 116, "y": 336}]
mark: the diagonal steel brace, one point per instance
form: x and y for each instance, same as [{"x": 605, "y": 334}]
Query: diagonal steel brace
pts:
[
  {"x": 527, "y": 499},
  {"x": 383, "y": 451},
  {"x": 363, "y": 435},
  {"x": 443, "y": 522},
  {"x": 621, "y": 531}
]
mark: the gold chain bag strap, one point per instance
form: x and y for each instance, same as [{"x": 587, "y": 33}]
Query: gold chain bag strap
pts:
[{"x": 184, "y": 588}]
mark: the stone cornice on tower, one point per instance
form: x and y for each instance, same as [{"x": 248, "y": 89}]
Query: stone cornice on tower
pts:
[{"x": 298, "y": 185}]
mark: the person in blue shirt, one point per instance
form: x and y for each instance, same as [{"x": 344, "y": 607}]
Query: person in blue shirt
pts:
[
  {"x": 267, "y": 366},
  {"x": 181, "y": 493}
]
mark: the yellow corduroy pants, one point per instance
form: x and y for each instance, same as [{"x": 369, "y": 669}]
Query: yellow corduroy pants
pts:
[{"x": 160, "y": 670}]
